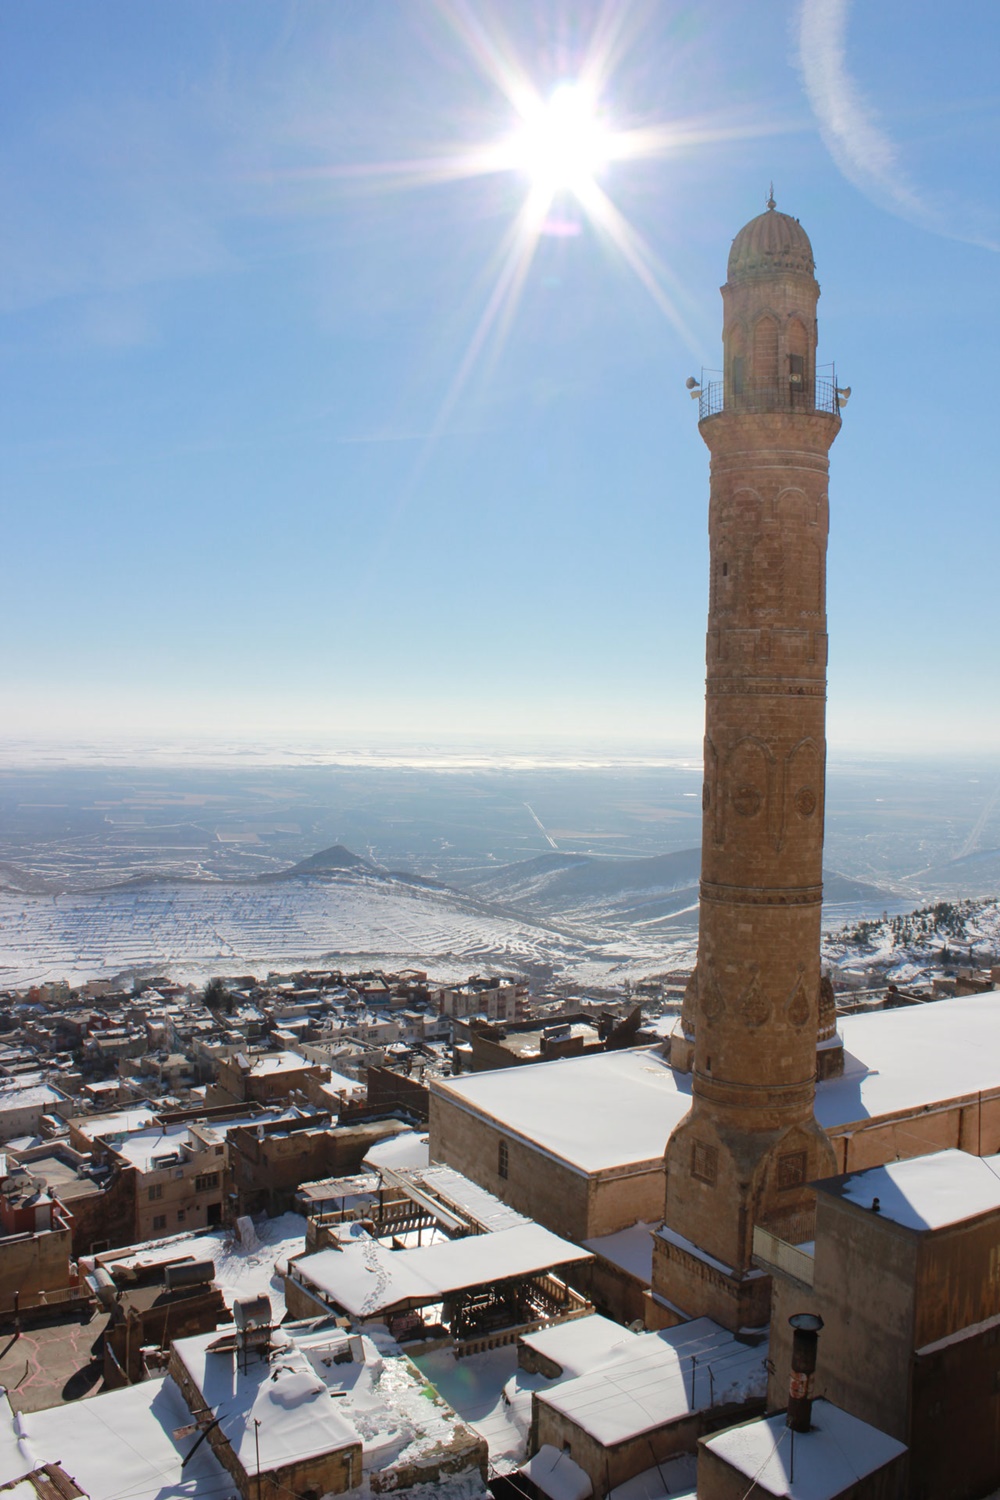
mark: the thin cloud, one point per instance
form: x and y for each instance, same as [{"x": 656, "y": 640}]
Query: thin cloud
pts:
[
  {"x": 851, "y": 129},
  {"x": 849, "y": 125}
]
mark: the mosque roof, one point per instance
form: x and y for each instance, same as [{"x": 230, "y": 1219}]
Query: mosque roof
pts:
[{"x": 770, "y": 243}]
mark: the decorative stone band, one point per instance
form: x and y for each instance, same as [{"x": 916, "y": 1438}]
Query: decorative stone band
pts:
[
  {"x": 755, "y": 895},
  {"x": 773, "y": 687},
  {"x": 790, "y": 1097}
]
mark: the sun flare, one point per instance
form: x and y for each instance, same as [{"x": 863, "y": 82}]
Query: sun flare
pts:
[{"x": 562, "y": 143}]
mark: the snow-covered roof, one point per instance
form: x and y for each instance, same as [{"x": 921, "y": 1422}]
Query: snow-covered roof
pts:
[
  {"x": 927, "y": 1192},
  {"x": 149, "y": 1150},
  {"x": 631, "y": 1249},
  {"x": 277, "y": 1062},
  {"x": 895, "y": 1061},
  {"x": 240, "y": 1271},
  {"x": 280, "y": 1403},
  {"x": 383, "y": 1405},
  {"x": 554, "y": 1473},
  {"x": 831, "y": 1457},
  {"x": 113, "y": 1125},
  {"x": 365, "y": 1279},
  {"x": 900, "y": 1059},
  {"x": 468, "y": 1197},
  {"x": 581, "y": 1344},
  {"x": 29, "y": 1097},
  {"x": 117, "y": 1444},
  {"x": 407, "y": 1149},
  {"x": 575, "y": 1108},
  {"x": 657, "y": 1378}
]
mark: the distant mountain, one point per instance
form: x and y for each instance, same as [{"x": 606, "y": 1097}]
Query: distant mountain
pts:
[
  {"x": 654, "y": 889},
  {"x": 326, "y": 862}
]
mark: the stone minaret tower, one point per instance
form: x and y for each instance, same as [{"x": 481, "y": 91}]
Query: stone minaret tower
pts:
[{"x": 750, "y": 1144}]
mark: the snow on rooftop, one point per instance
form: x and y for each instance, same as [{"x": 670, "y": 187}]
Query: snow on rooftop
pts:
[
  {"x": 658, "y": 1378},
  {"x": 117, "y": 1444},
  {"x": 895, "y": 1060},
  {"x": 554, "y": 1473},
  {"x": 28, "y": 1096},
  {"x": 630, "y": 1249},
  {"x": 581, "y": 1344},
  {"x": 467, "y": 1196},
  {"x": 407, "y": 1149},
  {"x": 280, "y": 1402},
  {"x": 114, "y": 1125},
  {"x": 365, "y": 1279},
  {"x": 904, "y": 1058},
  {"x": 383, "y": 1404},
  {"x": 926, "y": 1192},
  {"x": 277, "y": 1062},
  {"x": 162, "y": 1146},
  {"x": 476, "y": 1387},
  {"x": 239, "y": 1271},
  {"x": 572, "y": 1107},
  {"x": 831, "y": 1457},
  {"x": 676, "y": 1479}
]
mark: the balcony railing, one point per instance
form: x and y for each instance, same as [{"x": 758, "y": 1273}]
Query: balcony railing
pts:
[{"x": 781, "y": 396}]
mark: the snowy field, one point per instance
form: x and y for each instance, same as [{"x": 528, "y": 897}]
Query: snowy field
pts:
[{"x": 213, "y": 928}]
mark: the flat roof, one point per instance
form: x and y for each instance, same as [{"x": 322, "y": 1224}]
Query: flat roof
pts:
[
  {"x": 658, "y": 1378},
  {"x": 573, "y": 1107},
  {"x": 280, "y": 1404},
  {"x": 383, "y": 1405},
  {"x": 150, "y": 1150},
  {"x": 926, "y": 1192},
  {"x": 580, "y": 1344},
  {"x": 365, "y": 1279},
  {"x": 120, "y": 1443},
  {"x": 896, "y": 1061},
  {"x": 113, "y": 1125},
  {"x": 831, "y": 1457}
]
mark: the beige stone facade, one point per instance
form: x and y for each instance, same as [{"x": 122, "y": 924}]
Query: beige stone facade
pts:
[{"x": 750, "y": 1144}]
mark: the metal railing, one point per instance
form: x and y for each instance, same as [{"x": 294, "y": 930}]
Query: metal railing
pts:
[{"x": 773, "y": 396}]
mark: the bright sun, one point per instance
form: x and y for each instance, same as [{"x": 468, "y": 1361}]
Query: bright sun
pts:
[{"x": 561, "y": 144}]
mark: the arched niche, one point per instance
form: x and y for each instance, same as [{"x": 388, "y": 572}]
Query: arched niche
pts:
[{"x": 765, "y": 354}]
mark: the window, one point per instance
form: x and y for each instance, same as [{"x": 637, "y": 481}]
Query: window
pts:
[
  {"x": 503, "y": 1159},
  {"x": 738, "y": 369},
  {"x": 796, "y": 369},
  {"x": 205, "y": 1181},
  {"x": 159, "y": 1221},
  {"x": 180, "y": 1215},
  {"x": 155, "y": 1191}
]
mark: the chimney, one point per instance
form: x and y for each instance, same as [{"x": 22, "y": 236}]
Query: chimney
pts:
[{"x": 805, "y": 1337}]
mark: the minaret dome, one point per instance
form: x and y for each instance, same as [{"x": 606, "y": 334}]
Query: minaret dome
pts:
[{"x": 772, "y": 244}]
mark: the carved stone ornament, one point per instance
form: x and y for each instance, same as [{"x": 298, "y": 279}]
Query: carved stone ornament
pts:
[
  {"x": 746, "y": 800},
  {"x": 755, "y": 1009},
  {"x": 711, "y": 1003},
  {"x": 797, "y": 1008},
  {"x": 805, "y": 801}
]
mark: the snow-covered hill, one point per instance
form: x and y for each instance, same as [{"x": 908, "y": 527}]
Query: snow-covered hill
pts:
[{"x": 908, "y": 948}]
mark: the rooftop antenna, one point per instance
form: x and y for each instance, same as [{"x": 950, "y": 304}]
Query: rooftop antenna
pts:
[{"x": 770, "y": 197}]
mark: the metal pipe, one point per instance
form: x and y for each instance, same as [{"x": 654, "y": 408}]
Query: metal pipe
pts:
[{"x": 805, "y": 1337}]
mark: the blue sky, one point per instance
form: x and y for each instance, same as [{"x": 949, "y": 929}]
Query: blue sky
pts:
[{"x": 270, "y": 465}]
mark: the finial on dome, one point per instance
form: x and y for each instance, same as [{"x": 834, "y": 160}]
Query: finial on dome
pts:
[{"x": 770, "y": 198}]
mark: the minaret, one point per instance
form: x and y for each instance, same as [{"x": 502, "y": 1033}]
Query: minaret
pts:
[{"x": 746, "y": 1151}]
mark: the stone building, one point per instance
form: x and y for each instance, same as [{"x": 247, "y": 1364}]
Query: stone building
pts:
[
  {"x": 905, "y": 1273},
  {"x": 750, "y": 1145}
]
